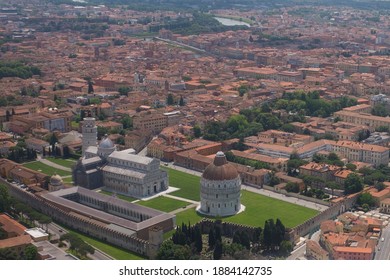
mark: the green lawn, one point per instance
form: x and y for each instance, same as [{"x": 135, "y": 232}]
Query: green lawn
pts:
[
  {"x": 165, "y": 204},
  {"x": 46, "y": 169},
  {"x": 113, "y": 251},
  {"x": 60, "y": 161},
  {"x": 189, "y": 184},
  {"x": 67, "y": 180},
  {"x": 123, "y": 197},
  {"x": 259, "y": 208},
  {"x": 188, "y": 216}
]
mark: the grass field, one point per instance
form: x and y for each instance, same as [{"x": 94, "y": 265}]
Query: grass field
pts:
[
  {"x": 259, "y": 208},
  {"x": 123, "y": 197},
  {"x": 60, "y": 161},
  {"x": 189, "y": 184},
  {"x": 113, "y": 251},
  {"x": 188, "y": 216},
  {"x": 68, "y": 180},
  {"x": 165, "y": 204},
  {"x": 46, "y": 169}
]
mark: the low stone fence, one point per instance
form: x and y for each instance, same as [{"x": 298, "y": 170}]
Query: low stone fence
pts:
[{"x": 299, "y": 196}]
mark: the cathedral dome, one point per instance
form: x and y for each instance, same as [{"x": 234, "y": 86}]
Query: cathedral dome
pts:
[
  {"x": 220, "y": 169},
  {"x": 106, "y": 143},
  {"x": 56, "y": 180}
]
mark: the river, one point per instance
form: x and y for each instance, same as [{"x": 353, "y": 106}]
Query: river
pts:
[{"x": 231, "y": 22}]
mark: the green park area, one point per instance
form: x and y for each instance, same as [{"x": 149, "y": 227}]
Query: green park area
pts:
[
  {"x": 188, "y": 184},
  {"x": 68, "y": 180},
  {"x": 63, "y": 162},
  {"x": 165, "y": 204},
  {"x": 46, "y": 169},
  {"x": 113, "y": 251},
  {"x": 120, "y": 196},
  {"x": 258, "y": 208}
]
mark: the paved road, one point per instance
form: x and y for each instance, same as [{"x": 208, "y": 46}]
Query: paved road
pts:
[
  {"x": 58, "y": 230},
  {"x": 384, "y": 252},
  {"x": 298, "y": 253}
]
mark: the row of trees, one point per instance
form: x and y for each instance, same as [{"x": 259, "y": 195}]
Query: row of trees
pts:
[
  {"x": 25, "y": 213},
  {"x": 30, "y": 252},
  {"x": 187, "y": 242},
  {"x": 251, "y": 121},
  {"x": 21, "y": 153},
  {"x": 244, "y": 161}
]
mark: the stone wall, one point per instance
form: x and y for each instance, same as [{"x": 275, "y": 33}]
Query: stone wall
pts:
[
  {"x": 314, "y": 223},
  {"x": 312, "y": 199}
]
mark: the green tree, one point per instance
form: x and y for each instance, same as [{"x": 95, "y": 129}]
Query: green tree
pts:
[
  {"x": 124, "y": 90},
  {"x": 268, "y": 234},
  {"x": 350, "y": 166},
  {"x": 30, "y": 252},
  {"x": 292, "y": 187},
  {"x": 380, "y": 186},
  {"x": 171, "y": 251},
  {"x": 280, "y": 231},
  {"x": 127, "y": 122},
  {"x": 170, "y": 100},
  {"x": 181, "y": 101},
  {"x": 217, "y": 253},
  {"x": 90, "y": 87},
  {"x": 197, "y": 131},
  {"x": 245, "y": 240},
  {"x": 273, "y": 180},
  {"x": 353, "y": 184},
  {"x": 379, "y": 110},
  {"x": 211, "y": 239},
  {"x": 198, "y": 239},
  {"x": 366, "y": 198},
  {"x": 5, "y": 199},
  {"x": 285, "y": 247}
]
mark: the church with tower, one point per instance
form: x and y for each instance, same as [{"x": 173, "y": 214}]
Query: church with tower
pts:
[{"x": 121, "y": 172}]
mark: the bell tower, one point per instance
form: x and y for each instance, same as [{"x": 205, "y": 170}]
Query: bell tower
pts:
[{"x": 89, "y": 131}]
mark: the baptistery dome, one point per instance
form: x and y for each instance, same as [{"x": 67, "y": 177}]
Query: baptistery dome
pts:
[
  {"x": 220, "y": 188},
  {"x": 220, "y": 169}
]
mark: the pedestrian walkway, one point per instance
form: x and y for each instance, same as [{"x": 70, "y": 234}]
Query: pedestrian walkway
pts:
[
  {"x": 182, "y": 199},
  {"x": 174, "y": 212}
]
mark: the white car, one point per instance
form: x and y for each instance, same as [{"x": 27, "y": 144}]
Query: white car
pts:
[{"x": 382, "y": 239}]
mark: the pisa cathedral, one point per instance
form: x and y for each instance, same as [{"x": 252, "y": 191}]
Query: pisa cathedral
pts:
[{"x": 121, "y": 172}]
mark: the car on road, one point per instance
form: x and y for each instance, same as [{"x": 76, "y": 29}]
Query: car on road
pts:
[
  {"x": 382, "y": 239},
  {"x": 379, "y": 248}
]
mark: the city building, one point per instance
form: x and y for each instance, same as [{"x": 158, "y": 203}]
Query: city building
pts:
[
  {"x": 363, "y": 119},
  {"x": 353, "y": 151}
]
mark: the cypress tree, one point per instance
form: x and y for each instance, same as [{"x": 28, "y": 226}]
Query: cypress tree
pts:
[
  {"x": 217, "y": 254},
  {"x": 211, "y": 238}
]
